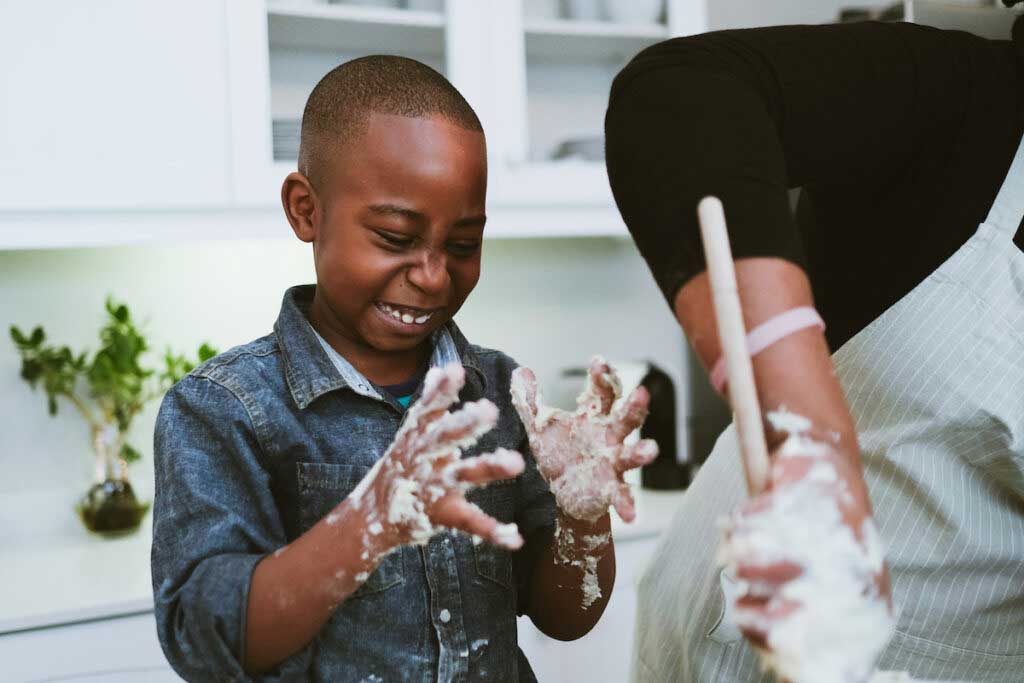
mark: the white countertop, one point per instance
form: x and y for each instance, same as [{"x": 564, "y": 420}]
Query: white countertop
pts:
[
  {"x": 53, "y": 571},
  {"x": 654, "y": 510}
]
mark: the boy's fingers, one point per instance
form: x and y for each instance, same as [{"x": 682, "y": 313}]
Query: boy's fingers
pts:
[
  {"x": 623, "y": 502},
  {"x": 630, "y": 415},
  {"x": 524, "y": 396},
  {"x": 461, "y": 428},
  {"x": 441, "y": 388},
  {"x": 637, "y": 455},
  {"x": 483, "y": 469},
  {"x": 604, "y": 385},
  {"x": 458, "y": 513}
]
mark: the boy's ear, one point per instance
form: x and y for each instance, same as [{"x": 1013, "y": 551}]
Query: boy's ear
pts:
[{"x": 300, "y": 205}]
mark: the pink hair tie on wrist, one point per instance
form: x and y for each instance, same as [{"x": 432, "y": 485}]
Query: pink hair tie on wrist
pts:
[{"x": 766, "y": 334}]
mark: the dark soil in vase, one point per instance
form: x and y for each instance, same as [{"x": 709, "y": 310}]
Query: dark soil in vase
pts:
[{"x": 111, "y": 508}]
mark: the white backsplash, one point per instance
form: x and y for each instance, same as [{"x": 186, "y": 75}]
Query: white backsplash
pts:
[{"x": 548, "y": 303}]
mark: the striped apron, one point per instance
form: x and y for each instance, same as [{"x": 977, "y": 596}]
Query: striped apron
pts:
[{"x": 936, "y": 387}]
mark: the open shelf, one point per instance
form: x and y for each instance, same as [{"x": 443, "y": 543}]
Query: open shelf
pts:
[
  {"x": 588, "y": 40},
  {"x": 355, "y": 28}
]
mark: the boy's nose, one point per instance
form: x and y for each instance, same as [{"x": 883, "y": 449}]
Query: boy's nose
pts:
[{"x": 430, "y": 273}]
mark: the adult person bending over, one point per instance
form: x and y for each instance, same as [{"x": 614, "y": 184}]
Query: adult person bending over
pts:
[{"x": 906, "y": 140}]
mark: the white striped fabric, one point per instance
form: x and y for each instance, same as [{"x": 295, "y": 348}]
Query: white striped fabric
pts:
[{"x": 936, "y": 385}]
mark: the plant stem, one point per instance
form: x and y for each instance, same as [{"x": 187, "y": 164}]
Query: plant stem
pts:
[{"x": 84, "y": 410}]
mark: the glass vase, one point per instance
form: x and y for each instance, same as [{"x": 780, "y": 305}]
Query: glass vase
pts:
[{"x": 110, "y": 507}]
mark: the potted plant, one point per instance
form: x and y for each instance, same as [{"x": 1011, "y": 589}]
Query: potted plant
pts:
[{"x": 109, "y": 389}]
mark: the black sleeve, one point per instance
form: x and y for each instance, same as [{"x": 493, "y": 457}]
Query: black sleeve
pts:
[{"x": 747, "y": 114}]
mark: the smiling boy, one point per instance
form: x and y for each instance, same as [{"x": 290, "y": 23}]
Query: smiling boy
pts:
[{"x": 307, "y": 518}]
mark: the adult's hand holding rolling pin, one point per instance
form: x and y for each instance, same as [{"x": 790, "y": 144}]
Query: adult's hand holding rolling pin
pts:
[{"x": 814, "y": 593}]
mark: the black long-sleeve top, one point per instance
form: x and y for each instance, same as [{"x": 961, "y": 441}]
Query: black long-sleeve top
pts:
[{"x": 900, "y": 136}]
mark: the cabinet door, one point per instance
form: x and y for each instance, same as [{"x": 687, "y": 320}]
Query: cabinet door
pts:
[
  {"x": 121, "y": 650},
  {"x": 118, "y": 104}
]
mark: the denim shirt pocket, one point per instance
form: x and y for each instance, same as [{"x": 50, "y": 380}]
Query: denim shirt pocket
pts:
[
  {"x": 499, "y": 501},
  {"x": 322, "y": 486}
]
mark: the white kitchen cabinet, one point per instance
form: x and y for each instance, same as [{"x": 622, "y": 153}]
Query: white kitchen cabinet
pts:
[
  {"x": 117, "y": 650},
  {"x": 605, "y": 653},
  {"x": 138, "y": 121},
  {"x": 279, "y": 49},
  {"x": 113, "y": 105},
  {"x": 560, "y": 67},
  {"x": 533, "y": 82}
]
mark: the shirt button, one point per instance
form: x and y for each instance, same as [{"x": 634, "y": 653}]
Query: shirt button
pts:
[{"x": 445, "y": 616}]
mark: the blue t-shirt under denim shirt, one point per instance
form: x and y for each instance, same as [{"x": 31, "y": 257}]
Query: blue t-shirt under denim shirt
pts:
[
  {"x": 257, "y": 445},
  {"x": 404, "y": 391}
]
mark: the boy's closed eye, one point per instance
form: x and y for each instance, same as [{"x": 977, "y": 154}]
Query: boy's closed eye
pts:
[
  {"x": 464, "y": 247},
  {"x": 396, "y": 241}
]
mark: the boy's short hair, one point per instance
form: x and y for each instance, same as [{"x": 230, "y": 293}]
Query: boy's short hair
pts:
[{"x": 340, "y": 105}]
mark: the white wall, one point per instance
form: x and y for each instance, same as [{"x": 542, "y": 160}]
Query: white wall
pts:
[{"x": 549, "y": 303}]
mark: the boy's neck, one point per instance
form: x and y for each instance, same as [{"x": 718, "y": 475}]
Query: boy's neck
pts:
[{"x": 380, "y": 367}]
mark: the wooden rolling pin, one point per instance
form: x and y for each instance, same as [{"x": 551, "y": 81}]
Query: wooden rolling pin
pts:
[{"x": 732, "y": 336}]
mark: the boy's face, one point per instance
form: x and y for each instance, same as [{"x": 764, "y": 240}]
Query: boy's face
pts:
[{"x": 397, "y": 229}]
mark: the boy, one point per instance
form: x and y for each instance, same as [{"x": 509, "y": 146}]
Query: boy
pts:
[{"x": 304, "y": 519}]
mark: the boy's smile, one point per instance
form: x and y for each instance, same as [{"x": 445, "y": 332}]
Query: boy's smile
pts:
[{"x": 396, "y": 225}]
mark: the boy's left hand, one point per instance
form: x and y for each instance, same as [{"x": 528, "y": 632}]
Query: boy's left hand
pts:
[{"x": 581, "y": 454}]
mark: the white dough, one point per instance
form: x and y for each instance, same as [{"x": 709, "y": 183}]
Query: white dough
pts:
[{"x": 842, "y": 624}]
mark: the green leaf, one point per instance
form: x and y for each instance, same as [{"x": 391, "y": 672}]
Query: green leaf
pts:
[
  {"x": 206, "y": 352},
  {"x": 17, "y": 336},
  {"x": 51, "y": 404},
  {"x": 129, "y": 454},
  {"x": 31, "y": 370},
  {"x": 37, "y": 336}
]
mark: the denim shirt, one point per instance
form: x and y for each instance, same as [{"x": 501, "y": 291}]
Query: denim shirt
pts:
[{"x": 257, "y": 445}]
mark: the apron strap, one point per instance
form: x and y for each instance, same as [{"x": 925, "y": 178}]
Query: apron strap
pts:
[{"x": 1008, "y": 208}]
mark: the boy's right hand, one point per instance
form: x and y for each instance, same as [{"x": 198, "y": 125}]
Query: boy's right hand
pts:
[{"x": 418, "y": 487}]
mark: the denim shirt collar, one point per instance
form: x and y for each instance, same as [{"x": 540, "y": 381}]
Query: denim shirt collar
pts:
[{"x": 311, "y": 373}]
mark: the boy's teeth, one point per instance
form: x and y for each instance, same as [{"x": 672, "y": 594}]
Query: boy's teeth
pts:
[{"x": 406, "y": 318}]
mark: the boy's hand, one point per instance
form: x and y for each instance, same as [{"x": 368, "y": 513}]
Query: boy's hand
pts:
[
  {"x": 814, "y": 590},
  {"x": 417, "y": 488},
  {"x": 581, "y": 454}
]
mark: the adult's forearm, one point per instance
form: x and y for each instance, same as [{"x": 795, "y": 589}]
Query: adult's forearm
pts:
[{"x": 795, "y": 372}]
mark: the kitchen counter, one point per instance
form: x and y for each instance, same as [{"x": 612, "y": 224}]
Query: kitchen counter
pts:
[
  {"x": 53, "y": 571},
  {"x": 654, "y": 510}
]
